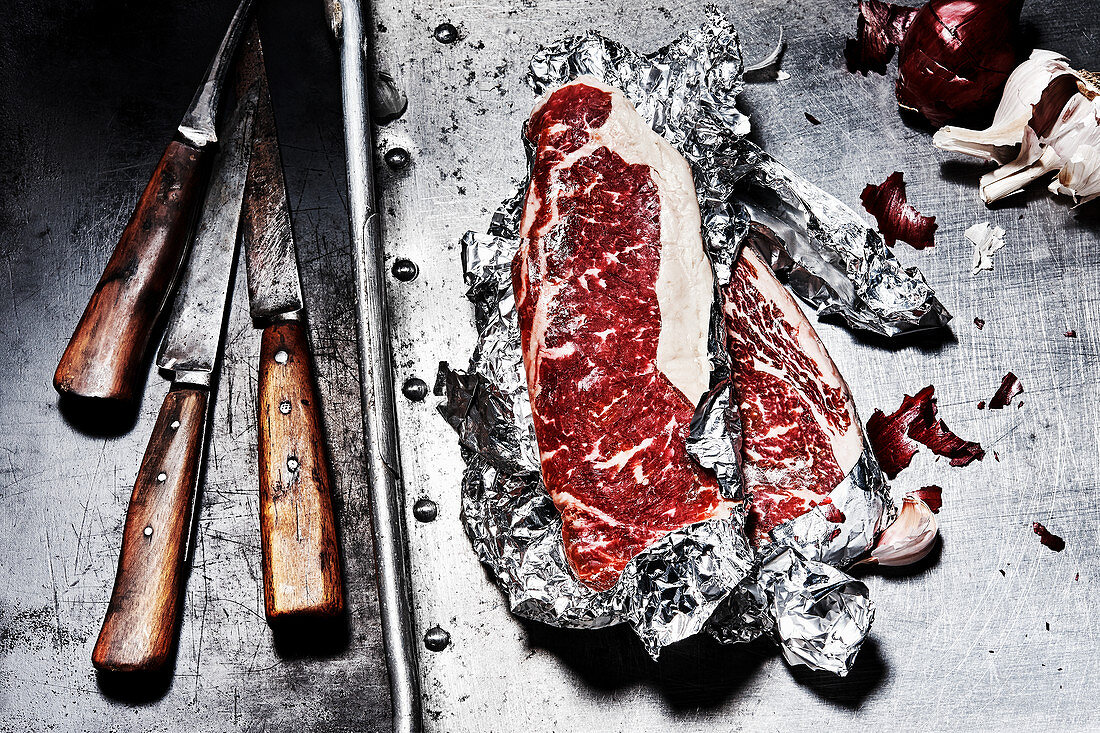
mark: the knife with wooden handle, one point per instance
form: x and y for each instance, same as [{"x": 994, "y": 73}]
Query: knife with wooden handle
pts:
[
  {"x": 104, "y": 356},
  {"x": 139, "y": 629},
  {"x": 301, "y": 559}
]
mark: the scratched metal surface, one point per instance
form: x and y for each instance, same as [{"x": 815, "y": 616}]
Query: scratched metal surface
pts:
[
  {"x": 92, "y": 93},
  {"x": 961, "y": 642}
]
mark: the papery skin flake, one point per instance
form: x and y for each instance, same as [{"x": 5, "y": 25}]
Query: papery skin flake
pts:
[
  {"x": 896, "y": 217},
  {"x": 897, "y": 437}
]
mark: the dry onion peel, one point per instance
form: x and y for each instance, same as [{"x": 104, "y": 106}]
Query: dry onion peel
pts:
[{"x": 896, "y": 217}]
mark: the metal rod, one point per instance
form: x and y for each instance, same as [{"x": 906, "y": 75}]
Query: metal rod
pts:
[{"x": 376, "y": 382}]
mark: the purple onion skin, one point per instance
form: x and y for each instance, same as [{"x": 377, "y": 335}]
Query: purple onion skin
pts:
[{"x": 956, "y": 56}]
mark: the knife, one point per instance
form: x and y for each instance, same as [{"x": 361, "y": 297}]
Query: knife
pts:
[
  {"x": 140, "y": 626},
  {"x": 301, "y": 559},
  {"x": 104, "y": 356}
]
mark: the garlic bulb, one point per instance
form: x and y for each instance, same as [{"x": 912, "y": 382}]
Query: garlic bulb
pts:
[
  {"x": 1022, "y": 91},
  {"x": 909, "y": 538},
  {"x": 1053, "y": 114}
]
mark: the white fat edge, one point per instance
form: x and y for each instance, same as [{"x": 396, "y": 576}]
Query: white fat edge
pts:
[
  {"x": 848, "y": 445},
  {"x": 685, "y": 281}
]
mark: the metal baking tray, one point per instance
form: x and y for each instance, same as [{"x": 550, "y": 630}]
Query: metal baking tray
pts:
[{"x": 993, "y": 630}]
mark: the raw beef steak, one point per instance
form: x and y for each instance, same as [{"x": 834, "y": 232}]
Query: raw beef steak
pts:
[
  {"x": 614, "y": 293},
  {"x": 801, "y": 433}
]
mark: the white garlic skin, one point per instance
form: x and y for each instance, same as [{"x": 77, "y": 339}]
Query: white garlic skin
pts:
[
  {"x": 1022, "y": 90},
  {"x": 1070, "y": 148},
  {"x": 909, "y": 538}
]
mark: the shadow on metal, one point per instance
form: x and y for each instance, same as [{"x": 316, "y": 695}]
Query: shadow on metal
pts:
[
  {"x": 311, "y": 638},
  {"x": 97, "y": 418},
  {"x": 695, "y": 674},
  {"x": 868, "y": 673},
  {"x": 137, "y": 688}
]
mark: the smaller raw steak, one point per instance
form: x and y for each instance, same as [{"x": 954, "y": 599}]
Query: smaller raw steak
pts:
[
  {"x": 613, "y": 292},
  {"x": 801, "y": 433}
]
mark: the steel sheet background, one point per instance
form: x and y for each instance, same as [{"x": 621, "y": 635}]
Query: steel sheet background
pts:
[
  {"x": 957, "y": 644},
  {"x": 91, "y": 92}
]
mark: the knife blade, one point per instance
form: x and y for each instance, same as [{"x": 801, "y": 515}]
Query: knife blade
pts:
[
  {"x": 139, "y": 628},
  {"x": 301, "y": 559},
  {"x": 104, "y": 356}
]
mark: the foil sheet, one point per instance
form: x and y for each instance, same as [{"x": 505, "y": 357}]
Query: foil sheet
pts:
[
  {"x": 704, "y": 576},
  {"x": 821, "y": 614},
  {"x": 666, "y": 593}
]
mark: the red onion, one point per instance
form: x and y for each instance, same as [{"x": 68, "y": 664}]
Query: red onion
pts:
[
  {"x": 880, "y": 28},
  {"x": 954, "y": 55}
]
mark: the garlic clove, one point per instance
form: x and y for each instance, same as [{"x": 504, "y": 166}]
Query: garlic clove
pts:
[
  {"x": 1080, "y": 176},
  {"x": 1032, "y": 163},
  {"x": 1023, "y": 89},
  {"x": 909, "y": 538},
  {"x": 1076, "y": 125}
]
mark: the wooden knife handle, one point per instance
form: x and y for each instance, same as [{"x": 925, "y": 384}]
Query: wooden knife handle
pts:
[
  {"x": 139, "y": 630},
  {"x": 301, "y": 560},
  {"x": 104, "y": 356}
]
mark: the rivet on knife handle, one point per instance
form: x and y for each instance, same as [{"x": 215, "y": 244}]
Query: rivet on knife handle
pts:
[
  {"x": 105, "y": 353},
  {"x": 301, "y": 560},
  {"x": 139, "y": 629}
]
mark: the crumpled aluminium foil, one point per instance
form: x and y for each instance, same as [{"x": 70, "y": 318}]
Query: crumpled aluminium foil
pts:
[
  {"x": 666, "y": 593},
  {"x": 822, "y": 615},
  {"x": 829, "y": 257},
  {"x": 704, "y": 576}
]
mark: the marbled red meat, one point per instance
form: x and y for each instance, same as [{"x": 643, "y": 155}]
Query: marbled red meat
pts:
[
  {"x": 612, "y": 233},
  {"x": 801, "y": 434},
  {"x": 614, "y": 294}
]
